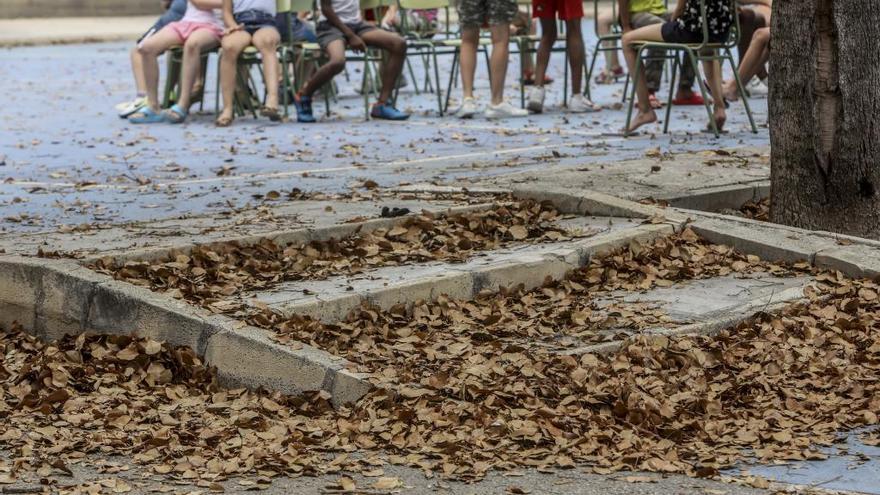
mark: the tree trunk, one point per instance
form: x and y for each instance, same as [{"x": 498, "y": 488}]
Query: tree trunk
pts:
[{"x": 825, "y": 115}]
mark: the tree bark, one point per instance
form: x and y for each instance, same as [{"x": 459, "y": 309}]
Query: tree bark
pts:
[{"x": 825, "y": 115}]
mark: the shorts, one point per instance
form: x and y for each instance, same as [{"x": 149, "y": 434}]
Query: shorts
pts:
[
  {"x": 328, "y": 33},
  {"x": 174, "y": 13},
  {"x": 185, "y": 29},
  {"x": 563, "y": 9},
  {"x": 293, "y": 29},
  {"x": 673, "y": 32},
  {"x": 253, "y": 20},
  {"x": 474, "y": 13}
]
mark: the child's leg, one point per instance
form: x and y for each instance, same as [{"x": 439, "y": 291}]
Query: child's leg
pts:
[
  {"x": 137, "y": 69},
  {"x": 233, "y": 44},
  {"x": 336, "y": 64},
  {"x": 266, "y": 40},
  {"x": 713, "y": 75},
  {"x": 548, "y": 38},
  {"x": 577, "y": 56},
  {"x": 752, "y": 62},
  {"x": 647, "y": 33},
  {"x": 606, "y": 20},
  {"x": 468, "y": 59},
  {"x": 150, "y": 50},
  {"x": 396, "y": 47},
  {"x": 498, "y": 61},
  {"x": 199, "y": 41}
]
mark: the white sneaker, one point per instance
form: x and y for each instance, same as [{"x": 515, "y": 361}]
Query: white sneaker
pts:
[
  {"x": 131, "y": 107},
  {"x": 579, "y": 104},
  {"x": 757, "y": 88},
  {"x": 536, "y": 99},
  {"x": 468, "y": 108},
  {"x": 504, "y": 110}
]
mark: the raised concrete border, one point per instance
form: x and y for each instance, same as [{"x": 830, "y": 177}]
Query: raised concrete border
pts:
[
  {"x": 283, "y": 237},
  {"x": 52, "y": 298},
  {"x": 526, "y": 269},
  {"x": 720, "y": 198}
]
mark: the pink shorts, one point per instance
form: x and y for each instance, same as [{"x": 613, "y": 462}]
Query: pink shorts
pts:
[{"x": 185, "y": 29}]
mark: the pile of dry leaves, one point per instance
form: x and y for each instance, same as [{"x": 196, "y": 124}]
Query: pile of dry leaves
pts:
[
  {"x": 212, "y": 275},
  {"x": 459, "y": 397},
  {"x": 756, "y": 210}
]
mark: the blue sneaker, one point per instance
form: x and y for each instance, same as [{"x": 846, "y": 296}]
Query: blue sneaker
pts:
[
  {"x": 387, "y": 112},
  {"x": 303, "y": 106}
]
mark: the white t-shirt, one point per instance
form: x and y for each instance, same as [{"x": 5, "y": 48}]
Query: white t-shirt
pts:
[
  {"x": 348, "y": 11},
  {"x": 195, "y": 14},
  {"x": 267, "y": 6}
]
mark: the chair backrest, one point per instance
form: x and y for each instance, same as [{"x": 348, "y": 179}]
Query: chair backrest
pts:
[
  {"x": 446, "y": 5},
  {"x": 375, "y": 4},
  {"x": 282, "y": 6}
]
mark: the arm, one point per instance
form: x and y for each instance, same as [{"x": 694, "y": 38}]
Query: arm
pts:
[
  {"x": 229, "y": 18},
  {"x": 679, "y": 9},
  {"x": 623, "y": 12},
  {"x": 354, "y": 41}
]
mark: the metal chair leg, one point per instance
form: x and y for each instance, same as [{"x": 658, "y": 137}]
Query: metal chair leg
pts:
[{"x": 672, "y": 76}]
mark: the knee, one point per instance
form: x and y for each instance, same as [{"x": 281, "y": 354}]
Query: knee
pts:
[
  {"x": 399, "y": 45},
  {"x": 336, "y": 65},
  {"x": 145, "y": 50},
  {"x": 762, "y": 35},
  {"x": 192, "y": 48},
  {"x": 627, "y": 39},
  {"x": 549, "y": 36}
]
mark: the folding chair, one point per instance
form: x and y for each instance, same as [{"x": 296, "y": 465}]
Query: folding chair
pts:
[
  {"x": 174, "y": 60},
  {"x": 696, "y": 53}
]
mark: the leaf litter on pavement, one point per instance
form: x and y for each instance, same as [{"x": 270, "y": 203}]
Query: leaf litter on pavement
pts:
[{"x": 456, "y": 398}]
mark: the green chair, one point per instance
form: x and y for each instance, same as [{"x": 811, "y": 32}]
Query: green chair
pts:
[
  {"x": 605, "y": 43},
  {"x": 174, "y": 60},
  {"x": 696, "y": 53}
]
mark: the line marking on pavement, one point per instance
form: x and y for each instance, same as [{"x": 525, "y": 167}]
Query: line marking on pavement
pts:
[{"x": 293, "y": 173}]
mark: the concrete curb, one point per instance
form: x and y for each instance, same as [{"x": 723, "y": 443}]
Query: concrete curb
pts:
[
  {"x": 596, "y": 203},
  {"x": 720, "y": 198},
  {"x": 282, "y": 237},
  {"x": 526, "y": 269},
  {"x": 52, "y": 298}
]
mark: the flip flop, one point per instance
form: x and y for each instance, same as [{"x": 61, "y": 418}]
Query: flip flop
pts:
[
  {"x": 146, "y": 115},
  {"x": 271, "y": 113},
  {"x": 175, "y": 115}
]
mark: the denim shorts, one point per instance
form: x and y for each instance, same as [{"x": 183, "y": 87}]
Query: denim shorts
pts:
[
  {"x": 254, "y": 20},
  {"x": 294, "y": 29}
]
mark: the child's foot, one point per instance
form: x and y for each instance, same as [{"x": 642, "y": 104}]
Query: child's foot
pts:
[
  {"x": 468, "y": 108},
  {"x": 130, "y": 107},
  {"x": 175, "y": 115},
  {"x": 580, "y": 104},
  {"x": 640, "y": 120},
  {"x": 730, "y": 91},
  {"x": 225, "y": 119},
  {"x": 303, "y": 106},
  {"x": 385, "y": 111},
  {"x": 271, "y": 113},
  {"x": 536, "y": 100},
  {"x": 609, "y": 76},
  {"x": 146, "y": 115},
  {"x": 655, "y": 103},
  {"x": 504, "y": 110}
]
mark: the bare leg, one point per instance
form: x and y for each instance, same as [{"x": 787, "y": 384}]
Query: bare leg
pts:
[
  {"x": 713, "y": 75},
  {"x": 606, "y": 20},
  {"x": 137, "y": 69},
  {"x": 396, "y": 47},
  {"x": 548, "y": 38},
  {"x": 266, "y": 40},
  {"x": 232, "y": 44},
  {"x": 198, "y": 42},
  {"x": 150, "y": 50},
  {"x": 325, "y": 73},
  {"x": 470, "y": 36},
  {"x": 576, "y": 53},
  {"x": 652, "y": 32},
  {"x": 498, "y": 61},
  {"x": 752, "y": 62}
]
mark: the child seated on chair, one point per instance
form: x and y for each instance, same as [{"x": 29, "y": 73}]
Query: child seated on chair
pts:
[
  {"x": 249, "y": 22},
  {"x": 174, "y": 11},
  {"x": 199, "y": 30},
  {"x": 341, "y": 25},
  {"x": 686, "y": 27}
]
